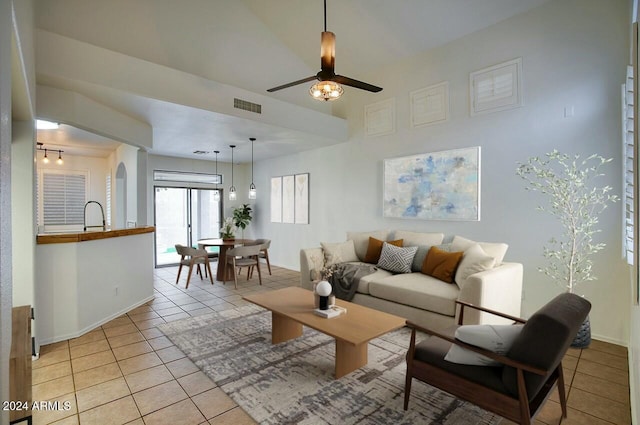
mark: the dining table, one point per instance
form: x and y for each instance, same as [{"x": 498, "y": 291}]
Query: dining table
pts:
[{"x": 222, "y": 274}]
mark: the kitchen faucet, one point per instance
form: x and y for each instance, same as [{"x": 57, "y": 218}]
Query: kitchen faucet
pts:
[{"x": 84, "y": 220}]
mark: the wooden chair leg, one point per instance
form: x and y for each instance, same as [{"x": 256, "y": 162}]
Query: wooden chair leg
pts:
[
  {"x": 199, "y": 271},
  {"x": 235, "y": 275},
  {"x": 189, "y": 275},
  {"x": 561, "y": 393},
  {"x": 248, "y": 272},
  {"x": 179, "y": 270},
  {"x": 259, "y": 273},
  {"x": 207, "y": 268},
  {"x": 266, "y": 257},
  {"x": 407, "y": 389}
]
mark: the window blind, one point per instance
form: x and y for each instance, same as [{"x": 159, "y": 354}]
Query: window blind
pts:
[
  {"x": 628, "y": 193},
  {"x": 63, "y": 198}
]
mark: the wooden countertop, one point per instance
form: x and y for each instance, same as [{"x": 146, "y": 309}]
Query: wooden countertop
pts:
[{"x": 91, "y": 236}]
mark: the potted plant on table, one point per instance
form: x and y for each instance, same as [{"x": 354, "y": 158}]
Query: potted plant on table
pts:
[
  {"x": 226, "y": 232},
  {"x": 573, "y": 199},
  {"x": 242, "y": 217}
]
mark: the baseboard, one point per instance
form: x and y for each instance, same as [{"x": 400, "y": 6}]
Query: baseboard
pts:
[
  {"x": 94, "y": 325},
  {"x": 610, "y": 340}
]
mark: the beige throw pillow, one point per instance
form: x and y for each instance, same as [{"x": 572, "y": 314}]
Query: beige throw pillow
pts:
[
  {"x": 361, "y": 240},
  {"x": 473, "y": 261},
  {"x": 340, "y": 252},
  {"x": 495, "y": 249}
]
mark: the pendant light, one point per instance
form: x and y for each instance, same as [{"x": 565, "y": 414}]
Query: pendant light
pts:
[
  {"x": 59, "y": 161},
  {"x": 232, "y": 189},
  {"x": 252, "y": 187},
  {"x": 216, "y": 192},
  {"x": 46, "y": 158}
]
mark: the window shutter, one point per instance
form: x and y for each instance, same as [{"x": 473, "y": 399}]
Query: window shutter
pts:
[
  {"x": 628, "y": 193},
  {"x": 63, "y": 198},
  {"x": 108, "y": 206},
  {"x": 496, "y": 88}
]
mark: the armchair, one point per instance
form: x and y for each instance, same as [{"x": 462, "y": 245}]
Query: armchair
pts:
[{"x": 527, "y": 374}]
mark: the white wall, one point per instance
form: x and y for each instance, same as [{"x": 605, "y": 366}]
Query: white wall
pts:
[
  {"x": 574, "y": 54},
  {"x": 23, "y": 212},
  {"x": 6, "y": 290}
]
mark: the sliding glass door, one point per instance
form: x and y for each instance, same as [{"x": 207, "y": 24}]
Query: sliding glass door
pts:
[{"x": 183, "y": 216}]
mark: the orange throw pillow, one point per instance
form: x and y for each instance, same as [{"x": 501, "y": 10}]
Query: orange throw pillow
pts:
[
  {"x": 375, "y": 249},
  {"x": 441, "y": 264}
]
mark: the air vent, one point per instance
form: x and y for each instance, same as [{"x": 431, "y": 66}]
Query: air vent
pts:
[
  {"x": 247, "y": 106},
  {"x": 200, "y": 152}
]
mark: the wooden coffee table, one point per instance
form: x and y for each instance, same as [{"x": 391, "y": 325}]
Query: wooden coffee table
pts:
[{"x": 293, "y": 307}]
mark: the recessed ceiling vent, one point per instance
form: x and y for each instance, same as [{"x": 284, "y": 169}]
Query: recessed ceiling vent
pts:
[
  {"x": 247, "y": 106},
  {"x": 200, "y": 152}
]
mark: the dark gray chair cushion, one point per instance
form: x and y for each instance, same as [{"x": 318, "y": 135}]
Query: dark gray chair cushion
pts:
[
  {"x": 545, "y": 339},
  {"x": 433, "y": 349}
]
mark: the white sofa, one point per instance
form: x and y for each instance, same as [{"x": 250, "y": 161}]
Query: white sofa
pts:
[{"x": 424, "y": 299}]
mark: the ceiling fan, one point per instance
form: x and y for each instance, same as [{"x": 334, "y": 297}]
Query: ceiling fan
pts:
[{"x": 328, "y": 85}]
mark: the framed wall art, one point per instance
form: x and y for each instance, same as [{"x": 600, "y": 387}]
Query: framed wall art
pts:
[
  {"x": 276, "y": 199},
  {"x": 433, "y": 186},
  {"x": 290, "y": 199}
]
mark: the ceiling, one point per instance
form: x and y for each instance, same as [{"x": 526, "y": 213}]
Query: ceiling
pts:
[{"x": 245, "y": 46}]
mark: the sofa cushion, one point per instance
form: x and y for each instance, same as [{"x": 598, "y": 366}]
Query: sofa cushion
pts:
[
  {"x": 379, "y": 274},
  {"x": 361, "y": 240},
  {"x": 417, "y": 290},
  {"x": 417, "y": 238},
  {"x": 441, "y": 264},
  {"x": 375, "y": 249},
  {"x": 474, "y": 260},
  {"x": 340, "y": 252},
  {"x": 495, "y": 249},
  {"x": 421, "y": 254},
  {"x": 396, "y": 259}
]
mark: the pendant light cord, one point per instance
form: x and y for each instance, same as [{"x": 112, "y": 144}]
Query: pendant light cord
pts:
[{"x": 325, "y": 15}]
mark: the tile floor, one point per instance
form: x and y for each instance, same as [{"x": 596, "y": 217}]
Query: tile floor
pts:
[{"x": 128, "y": 372}]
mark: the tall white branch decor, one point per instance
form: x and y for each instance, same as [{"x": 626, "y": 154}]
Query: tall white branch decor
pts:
[{"x": 576, "y": 202}]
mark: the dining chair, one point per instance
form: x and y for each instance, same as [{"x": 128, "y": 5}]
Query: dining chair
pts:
[
  {"x": 243, "y": 256},
  {"x": 213, "y": 256},
  {"x": 191, "y": 256},
  {"x": 264, "y": 251}
]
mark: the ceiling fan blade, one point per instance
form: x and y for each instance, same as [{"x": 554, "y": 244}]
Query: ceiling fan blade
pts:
[
  {"x": 357, "y": 84},
  {"x": 295, "y": 83},
  {"x": 328, "y": 51}
]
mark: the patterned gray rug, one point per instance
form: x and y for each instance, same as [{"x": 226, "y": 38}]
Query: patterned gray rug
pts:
[{"x": 292, "y": 382}]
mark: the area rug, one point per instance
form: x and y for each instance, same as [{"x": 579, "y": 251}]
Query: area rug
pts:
[{"x": 292, "y": 382}]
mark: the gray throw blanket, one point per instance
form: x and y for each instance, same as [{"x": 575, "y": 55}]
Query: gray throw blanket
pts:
[{"x": 346, "y": 277}]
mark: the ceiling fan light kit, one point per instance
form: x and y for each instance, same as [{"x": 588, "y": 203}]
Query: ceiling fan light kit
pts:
[
  {"x": 326, "y": 90},
  {"x": 329, "y": 83}
]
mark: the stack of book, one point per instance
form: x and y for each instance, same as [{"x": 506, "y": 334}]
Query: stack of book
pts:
[{"x": 333, "y": 311}]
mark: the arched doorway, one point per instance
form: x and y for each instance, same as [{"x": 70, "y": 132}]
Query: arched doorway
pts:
[{"x": 121, "y": 196}]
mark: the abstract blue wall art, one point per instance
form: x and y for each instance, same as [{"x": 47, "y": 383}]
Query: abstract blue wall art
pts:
[{"x": 434, "y": 186}]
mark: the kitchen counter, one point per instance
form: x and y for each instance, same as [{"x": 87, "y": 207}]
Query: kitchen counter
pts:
[
  {"x": 45, "y": 238},
  {"x": 85, "y": 279}
]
